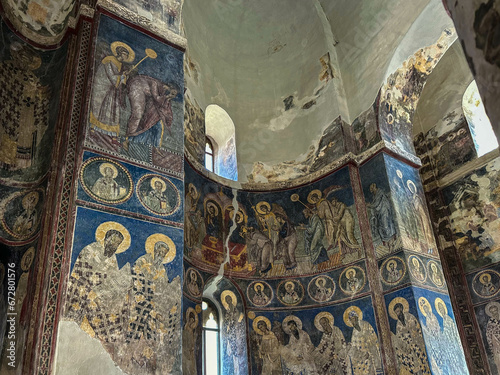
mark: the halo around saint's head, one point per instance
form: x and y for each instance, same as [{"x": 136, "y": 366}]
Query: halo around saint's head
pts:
[
  {"x": 159, "y": 237},
  {"x": 34, "y": 196},
  {"x": 316, "y": 192},
  {"x": 439, "y": 302},
  {"x": 486, "y": 276},
  {"x": 290, "y": 283},
  {"x": 317, "y": 281},
  {"x": 393, "y": 262},
  {"x": 192, "y": 189},
  {"x": 103, "y": 166},
  {"x": 154, "y": 180},
  {"x": 256, "y": 322},
  {"x": 131, "y": 53},
  {"x": 323, "y": 314},
  {"x": 422, "y": 301},
  {"x": 352, "y": 310},
  {"x": 223, "y": 298},
  {"x": 27, "y": 259},
  {"x": 489, "y": 306},
  {"x": 297, "y": 321},
  {"x": 261, "y": 286},
  {"x": 189, "y": 311},
  {"x": 401, "y": 300},
  {"x": 411, "y": 186},
  {"x": 216, "y": 209},
  {"x": 260, "y": 208},
  {"x": 102, "y": 229}
]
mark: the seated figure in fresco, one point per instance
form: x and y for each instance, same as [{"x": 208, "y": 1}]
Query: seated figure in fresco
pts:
[{"x": 260, "y": 249}]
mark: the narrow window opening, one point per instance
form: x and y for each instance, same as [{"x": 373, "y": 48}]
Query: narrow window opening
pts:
[
  {"x": 209, "y": 155},
  {"x": 211, "y": 338}
]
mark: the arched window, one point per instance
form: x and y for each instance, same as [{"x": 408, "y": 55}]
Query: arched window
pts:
[
  {"x": 479, "y": 124},
  {"x": 211, "y": 338},
  {"x": 219, "y": 128},
  {"x": 209, "y": 154}
]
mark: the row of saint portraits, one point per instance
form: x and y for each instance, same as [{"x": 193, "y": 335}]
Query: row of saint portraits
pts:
[
  {"x": 351, "y": 281},
  {"x": 339, "y": 339},
  {"x": 308, "y": 229},
  {"x": 136, "y": 102},
  {"x": 124, "y": 289},
  {"x": 107, "y": 181}
]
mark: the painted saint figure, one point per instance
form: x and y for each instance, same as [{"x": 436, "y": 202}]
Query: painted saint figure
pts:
[
  {"x": 290, "y": 297},
  {"x": 26, "y": 223},
  {"x": 382, "y": 216},
  {"x": 393, "y": 273},
  {"x": 287, "y": 242},
  {"x": 297, "y": 354},
  {"x": 493, "y": 331},
  {"x": 192, "y": 284},
  {"x": 322, "y": 292},
  {"x": 269, "y": 348},
  {"x": 313, "y": 237},
  {"x": 234, "y": 332},
  {"x": 156, "y": 199},
  {"x": 331, "y": 353},
  {"x": 189, "y": 337},
  {"x": 260, "y": 298},
  {"x": 106, "y": 187}
]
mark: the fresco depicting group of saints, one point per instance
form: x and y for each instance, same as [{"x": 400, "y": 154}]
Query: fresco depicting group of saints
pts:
[
  {"x": 128, "y": 307},
  {"x": 265, "y": 240}
]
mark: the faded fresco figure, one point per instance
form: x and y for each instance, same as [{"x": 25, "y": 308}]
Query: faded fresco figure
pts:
[
  {"x": 313, "y": 237},
  {"x": 363, "y": 350},
  {"x": 322, "y": 292},
  {"x": 269, "y": 348},
  {"x": 417, "y": 270},
  {"x": 331, "y": 353},
  {"x": 408, "y": 341},
  {"x": 260, "y": 298},
  {"x": 233, "y": 332},
  {"x": 268, "y": 222},
  {"x": 421, "y": 212},
  {"x": 353, "y": 283},
  {"x": 96, "y": 286},
  {"x": 290, "y": 296},
  {"x": 156, "y": 199},
  {"x": 394, "y": 274},
  {"x": 287, "y": 242},
  {"x": 297, "y": 354},
  {"x": 192, "y": 284},
  {"x": 193, "y": 222},
  {"x": 189, "y": 338},
  {"x": 382, "y": 216},
  {"x": 493, "y": 331},
  {"x": 27, "y": 221},
  {"x": 260, "y": 249},
  {"x": 106, "y": 187},
  {"x": 432, "y": 332},
  {"x": 488, "y": 288}
]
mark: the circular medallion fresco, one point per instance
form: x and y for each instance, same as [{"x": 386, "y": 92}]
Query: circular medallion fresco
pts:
[
  {"x": 352, "y": 280},
  {"x": 158, "y": 195},
  {"x": 321, "y": 288},
  {"x": 486, "y": 284},
  {"x": 106, "y": 181},
  {"x": 260, "y": 293},
  {"x": 435, "y": 273},
  {"x": 417, "y": 269},
  {"x": 21, "y": 213},
  {"x": 290, "y": 292},
  {"x": 194, "y": 282},
  {"x": 392, "y": 270}
]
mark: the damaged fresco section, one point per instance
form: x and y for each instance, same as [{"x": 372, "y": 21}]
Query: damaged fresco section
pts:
[{"x": 194, "y": 130}]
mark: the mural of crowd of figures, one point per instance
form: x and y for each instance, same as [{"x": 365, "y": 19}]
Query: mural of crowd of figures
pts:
[
  {"x": 136, "y": 106},
  {"x": 396, "y": 206},
  {"x": 422, "y": 342},
  {"x": 31, "y": 83},
  {"x": 293, "y": 232},
  {"x": 474, "y": 202},
  {"x": 339, "y": 339},
  {"x": 124, "y": 289}
]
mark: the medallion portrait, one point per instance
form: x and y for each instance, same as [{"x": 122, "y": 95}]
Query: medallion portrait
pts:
[
  {"x": 352, "y": 280},
  {"x": 106, "y": 181},
  {"x": 21, "y": 213},
  {"x": 290, "y": 292},
  {"x": 486, "y": 284},
  {"x": 194, "y": 282},
  {"x": 417, "y": 269},
  {"x": 435, "y": 273},
  {"x": 321, "y": 288},
  {"x": 158, "y": 195},
  {"x": 392, "y": 270},
  {"x": 260, "y": 293}
]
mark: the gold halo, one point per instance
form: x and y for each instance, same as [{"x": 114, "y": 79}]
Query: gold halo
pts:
[
  {"x": 485, "y": 274},
  {"x": 108, "y": 165},
  {"x": 297, "y": 321},
  {"x": 349, "y": 271},
  {"x": 232, "y": 214},
  {"x": 198, "y": 308},
  {"x": 131, "y": 53},
  {"x": 212, "y": 204},
  {"x": 399, "y": 173},
  {"x": 189, "y": 310},
  {"x": 256, "y": 322},
  {"x": 392, "y": 261},
  {"x": 260, "y": 205},
  {"x": 439, "y": 301},
  {"x": 434, "y": 267},
  {"x": 151, "y": 53},
  {"x": 294, "y": 197},
  {"x": 319, "y": 278},
  {"x": 28, "y": 196},
  {"x": 30, "y": 253},
  {"x": 421, "y": 302},
  {"x": 163, "y": 184},
  {"x": 487, "y": 308},
  {"x": 255, "y": 286},
  {"x": 192, "y": 187},
  {"x": 251, "y": 315},
  {"x": 358, "y": 312},
  {"x": 410, "y": 183},
  {"x": 323, "y": 314},
  {"x": 157, "y": 237},
  {"x": 401, "y": 300},
  {"x": 314, "y": 192},
  {"x": 102, "y": 229},
  {"x": 223, "y": 298},
  {"x": 193, "y": 272},
  {"x": 290, "y": 283}
]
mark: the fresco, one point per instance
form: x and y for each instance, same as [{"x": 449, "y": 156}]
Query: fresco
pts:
[
  {"x": 164, "y": 13},
  {"x": 124, "y": 289},
  {"x": 339, "y": 339},
  {"x": 107, "y": 182},
  {"x": 474, "y": 201},
  {"x": 365, "y": 130},
  {"x": 191, "y": 338},
  {"x": 309, "y": 229},
  {"x": 136, "y": 101},
  {"x": 488, "y": 319},
  {"x": 194, "y": 130},
  {"x": 32, "y": 82},
  {"x": 393, "y": 271}
]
